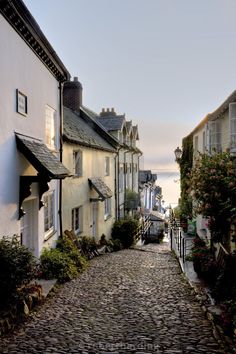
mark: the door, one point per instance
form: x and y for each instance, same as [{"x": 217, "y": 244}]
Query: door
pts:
[
  {"x": 28, "y": 227},
  {"x": 94, "y": 219}
]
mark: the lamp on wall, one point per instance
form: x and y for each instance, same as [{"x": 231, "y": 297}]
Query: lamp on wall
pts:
[{"x": 178, "y": 154}]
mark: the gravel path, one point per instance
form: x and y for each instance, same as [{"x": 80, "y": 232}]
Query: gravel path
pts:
[{"x": 131, "y": 301}]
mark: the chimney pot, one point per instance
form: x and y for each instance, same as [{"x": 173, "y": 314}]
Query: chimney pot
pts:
[
  {"x": 108, "y": 110},
  {"x": 76, "y": 78}
]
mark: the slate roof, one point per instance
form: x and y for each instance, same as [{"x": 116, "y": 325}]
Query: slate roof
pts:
[
  {"x": 77, "y": 131},
  {"x": 100, "y": 187},
  {"x": 41, "y": 158},
  {"x": 223, "y": 107},
  {"x": 112, "y": 122}
]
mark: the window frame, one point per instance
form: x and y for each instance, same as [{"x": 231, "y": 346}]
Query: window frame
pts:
[
  {"x": 107, "y": 166},
  {"x": 51, "y": 137},
  {"x": 78, "y": 170},
  {"x": 50, "y": 211},
  {"x": 232, "y": 132},
  {"x": 76, "y": 220},
  {"x": 107, "y": 208}
]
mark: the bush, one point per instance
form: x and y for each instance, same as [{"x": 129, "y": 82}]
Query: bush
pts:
[
  {"x": 65, "y": 245},
  {"x": 115, "y": 245},
  {"x": 204, "y": 262},
  {"x": 56, "y": 264},
  {"x": 17, "y": 265},
  {"x": 124, "y": 230}
]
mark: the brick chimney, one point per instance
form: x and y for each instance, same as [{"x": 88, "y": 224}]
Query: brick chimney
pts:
[
  {"x": 107, "y": 112},
  {"x": 72, "y": 94}
]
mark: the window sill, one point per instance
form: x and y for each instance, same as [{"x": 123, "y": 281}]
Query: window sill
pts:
[
  {"x": 107, "y": 217},
  {"x": 77, "y": 176},
  {"x": 49, "y": 235}
]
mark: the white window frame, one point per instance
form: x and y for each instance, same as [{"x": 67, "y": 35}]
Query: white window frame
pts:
[
  {"x": 121, "y": 177},
  {"x": 107, "y": 166},
  {"x": 51, "y": 128},
  {"x": 232, "y": 126},
  {"x": 107, "y": 208},
  {"x": 76, "y": 219},
  {"x": 215, "y": 136},
  {"x": 78, "y": 163},
  {"x": 49, "y": 213},
  {"x": 196, "y": 147}
]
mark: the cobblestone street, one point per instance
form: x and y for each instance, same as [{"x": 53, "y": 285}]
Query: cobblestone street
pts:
[{"x": 126, "y": 302}]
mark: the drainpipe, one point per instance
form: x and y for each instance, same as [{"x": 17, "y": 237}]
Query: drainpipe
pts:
[
  {"x": 60, "y": 151},
  {"x": 117, "y": 183},
  {"x": 125, "y": 176}
]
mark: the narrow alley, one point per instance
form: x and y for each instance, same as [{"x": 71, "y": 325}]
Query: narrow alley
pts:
[{"x": 132, "y": 301}]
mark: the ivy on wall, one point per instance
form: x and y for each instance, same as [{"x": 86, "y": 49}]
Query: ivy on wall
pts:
[{"x": 186, "y": 163}]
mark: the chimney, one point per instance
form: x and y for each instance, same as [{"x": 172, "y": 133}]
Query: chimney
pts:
[{"x": 72, "y": 94}]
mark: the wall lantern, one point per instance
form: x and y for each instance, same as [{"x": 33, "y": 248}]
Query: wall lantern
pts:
[{"x": 178, "y": 153}]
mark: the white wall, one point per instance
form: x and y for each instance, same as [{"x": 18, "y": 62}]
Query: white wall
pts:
[
  {"x": 76, "y": 190},
  {"x": 20, "y": 69}
]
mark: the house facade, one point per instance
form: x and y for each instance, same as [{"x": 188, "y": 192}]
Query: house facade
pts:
[
  {"x": 31, "y": 87},
  {"x": 89, "y": 153},
  {"x": 215, "y": 133},
  {"x": 128, "y": 154}
]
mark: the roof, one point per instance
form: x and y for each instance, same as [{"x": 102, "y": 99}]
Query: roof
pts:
[
  {"x": 90, "y": 118},
  {"x": 100, "y": 187},
  {"x": 147, "y": 176},
  {"x": 156, "y": 216},
  {"x": 223, "y": 107},
  {"x": 112, "y": 122},
  {"x": 77, "y": 131},
  {"x": 135, "y": 131},
  {"x": 19, "y": 17},
  {"x": 41, "y": 158}
]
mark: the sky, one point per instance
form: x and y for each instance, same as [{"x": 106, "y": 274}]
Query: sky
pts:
[{"x": 164, "y": 63}]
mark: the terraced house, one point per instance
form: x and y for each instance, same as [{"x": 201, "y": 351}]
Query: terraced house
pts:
[
  {"x": 30, "y": 114},
  {"x": 89, "y": 152},
  {"x": 101, "y": 152},
  {"x": 215, "y": 133}
]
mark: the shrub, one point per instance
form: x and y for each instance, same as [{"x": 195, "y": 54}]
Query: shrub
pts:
[
  {"x": 56, "y": 264},
  {"x": 17, "y": 265},
  {"x": 115, "y": 245},
  {"x": 124, "y": 230},
  {"x": 204, "y": 262},
  {"x": 65, "y": 245}
]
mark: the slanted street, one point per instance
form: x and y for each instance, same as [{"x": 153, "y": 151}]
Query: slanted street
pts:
[{"x": 131, "y": 301}]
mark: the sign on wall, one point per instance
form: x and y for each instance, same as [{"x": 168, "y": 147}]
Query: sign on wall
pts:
[{"x": 21, "y": 103}]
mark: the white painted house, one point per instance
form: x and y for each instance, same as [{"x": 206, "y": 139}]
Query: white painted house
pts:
[
  {"x": 89, "y": 152},
  {"x": 30, "y": 121}
]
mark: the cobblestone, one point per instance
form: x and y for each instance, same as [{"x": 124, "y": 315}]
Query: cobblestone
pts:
[{"x": 125, "y": 302}]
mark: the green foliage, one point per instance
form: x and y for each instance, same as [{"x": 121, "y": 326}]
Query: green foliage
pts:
[
  {"x": 186, "y": 163},
  {"x": 225, "y": 287},
  {"x": 59, "y": 265},
  {"x": 65, "y": 245},
  {"x": 204, "y": 262},
  {"x": 131, "y": 200},
  {"x": 124, "y": 230},
  {"x": 17, "y": 265},
  {"x": 115, "y": 245},
  {"x": 213, "y": 185}
]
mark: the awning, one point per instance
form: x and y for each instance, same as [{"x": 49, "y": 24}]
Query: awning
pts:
[
  {"x": 100, "y": 187},
  {"x": 41, "y": 158}
]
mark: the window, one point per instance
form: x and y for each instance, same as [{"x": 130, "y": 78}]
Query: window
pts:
[
  {"x": 107, "y": 166},
  {"x": 196, "y": 145},
  {"x": 107, "y": 208},
  {"x": 204, "y": 141},
  {"x": 121, "y": 177},
  {"x": 215, "y": 136},
  {"x": 232, "y": 125},
  {"x": 76, "y": 219},
  {"x": 49, "y": 218},
  {"x": 77, "y": 163},
  {"x": 51, "y": 128}
]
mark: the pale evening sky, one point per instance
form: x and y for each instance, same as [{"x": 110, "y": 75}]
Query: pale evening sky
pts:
[{"x": 164, "y": 63}]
